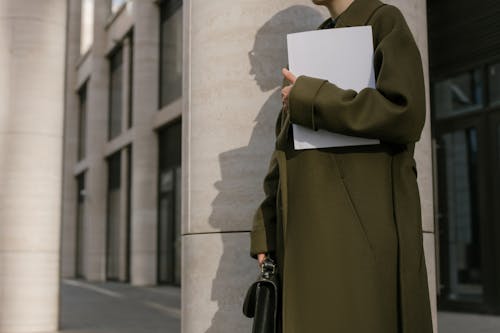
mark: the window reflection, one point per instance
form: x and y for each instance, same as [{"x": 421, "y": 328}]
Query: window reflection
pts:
[
  {"x": 82, "y": 123},
  {"x": 80, "y": 226},
  {"x": 494, "y": 84},
  {"x": 460, "y": 206},
  {"x": 169, "y": 219},
  {"x": 114, "y": 218},
  {"x": 116, "y": 4},
  {"x": 87, "y": 25},
  {"x": 115, "y": 94},
  {"x": 170, "y": 51},
  {"x": 459, "y": 94}
]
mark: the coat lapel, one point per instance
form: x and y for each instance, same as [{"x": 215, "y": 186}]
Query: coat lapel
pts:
[{"x": 358, "y": 13}]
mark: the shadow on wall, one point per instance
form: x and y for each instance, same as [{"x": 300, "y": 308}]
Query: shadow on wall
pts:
[{"x": 268, "y": 56}]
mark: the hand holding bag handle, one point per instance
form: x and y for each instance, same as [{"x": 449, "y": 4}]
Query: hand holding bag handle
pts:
[{"x": 261, "y": 300}]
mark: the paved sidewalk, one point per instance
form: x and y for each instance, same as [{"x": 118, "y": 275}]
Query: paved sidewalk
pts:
[
  {"x": 451, "y": 322},
  {"x": 109, "y": 307}
]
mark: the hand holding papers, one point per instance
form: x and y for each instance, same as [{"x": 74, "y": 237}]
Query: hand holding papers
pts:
[{"x": 343, "y": 56}]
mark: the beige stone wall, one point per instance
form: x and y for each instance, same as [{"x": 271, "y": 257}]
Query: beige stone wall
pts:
[
  {"x": 231, "y": 102},
  {"x": 32, "y": 49}
]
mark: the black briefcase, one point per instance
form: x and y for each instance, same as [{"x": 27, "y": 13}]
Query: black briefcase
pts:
[{"x": 262, "y": 299}]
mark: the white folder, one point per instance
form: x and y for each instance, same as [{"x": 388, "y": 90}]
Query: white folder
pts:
[{"x": 343, "y": 56}]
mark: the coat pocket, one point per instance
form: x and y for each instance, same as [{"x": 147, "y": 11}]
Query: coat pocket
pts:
[{"x": 337, "y": 161}]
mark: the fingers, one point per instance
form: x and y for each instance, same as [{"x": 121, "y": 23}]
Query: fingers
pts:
[
  {"x": 286, "y": 90},
  {"x": 261, "y": 257},
  {"x": 288, "y": 75},
  {"x": 284, "y": 93}
]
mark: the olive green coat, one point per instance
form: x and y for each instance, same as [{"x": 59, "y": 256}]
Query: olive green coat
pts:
[{"x": 345, "y": 222}]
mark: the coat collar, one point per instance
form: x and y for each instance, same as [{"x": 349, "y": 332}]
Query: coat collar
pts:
[{"x": 357, "y": 13}]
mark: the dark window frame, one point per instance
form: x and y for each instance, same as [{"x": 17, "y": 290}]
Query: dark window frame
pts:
[
  {"x": 80, "y": 225},
  {"x": 113, "y": 183},
  {"x": 130, "y": 83},
  {"x": 118, "y": 49},
  {"x": 165, "y": 165},
  {"x": 167, "y": 9},
  {"x": 489, "y": 233},
  {"x": 82, "y": 121}
]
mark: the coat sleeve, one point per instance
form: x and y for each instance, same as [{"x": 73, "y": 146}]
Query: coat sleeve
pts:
[
  {"x": 393, "y": 112},
  {"x": 263, "y": 233}
]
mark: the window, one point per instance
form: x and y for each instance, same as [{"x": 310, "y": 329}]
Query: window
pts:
[
  {"x": 494, "y": 84},
  {"x": 87, "y": 25},
  {"x": 114, "y": 217},
  {"x": 130, "y": 79},
  {"x": 170, "y": 51},
  {"x": 459, "y": 94},
  {"x": 116, "y": 5},
  {"x": 169, "y": 207},
  {"x": 118, "y": 215},
  {"x": 82, "y": 122},
  {"x": 80, "y": 225},
  {"x": 115, "y": 93},
  {"x": 461, "y": 243}
]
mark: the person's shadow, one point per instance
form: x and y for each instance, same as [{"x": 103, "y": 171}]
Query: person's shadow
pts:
[{"x": 243, "y": 170}]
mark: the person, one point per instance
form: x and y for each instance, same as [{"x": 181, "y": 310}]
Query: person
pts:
[{"x": 344, "y": 223}]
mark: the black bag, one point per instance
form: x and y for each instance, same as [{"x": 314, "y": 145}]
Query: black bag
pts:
[{"x": 262, "y": 299}]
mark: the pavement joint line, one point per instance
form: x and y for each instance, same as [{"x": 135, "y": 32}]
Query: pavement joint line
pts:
[
  {"x": 175, "y": 312},
  {"x": 93, "y": 288}
]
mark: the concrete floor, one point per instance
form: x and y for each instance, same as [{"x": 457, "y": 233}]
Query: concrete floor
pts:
[
  {"x": 450, "y": 322},
  {"x": 118, "y": 308},
  {"x": 97, "y": 307}
]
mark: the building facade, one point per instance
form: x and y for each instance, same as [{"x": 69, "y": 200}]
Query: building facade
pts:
[
  {"x": 165, "y": 112},
  {"x": 170, "y": 109},
  {"x": 464, "y": 39},
  {"x": 122, "y": 166}
]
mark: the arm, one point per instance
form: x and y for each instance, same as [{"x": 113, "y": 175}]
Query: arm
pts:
[
  {"x": 263, "y": 233},
  {"x": 394, "y": 111}
]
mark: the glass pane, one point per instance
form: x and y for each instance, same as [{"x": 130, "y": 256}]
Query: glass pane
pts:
[
  {"x": 494, "y": 83},
  {"x": 80, "y": 225},
  {"x": 131, "y": 80},
  {"x": 115, "y": 94},
  {"x": 115, "y": 234},
  {"x": 114, "y": 171},
  {"x": 170, "y": 203},
  {"x": 82, "y": 123},
  {"x": 87, "y": 25},
  {"x": 113, "y": 255},
  {"x": 171, "y": 51},
  {"x": 462, "y": 93},
  {"x": 461, "y": 215},
  {"x": 116, "y": 4},
  {"x": 165, "y": 253},
  {"x": 498, "y": 144},
  {"x": 177, "y": 243}
]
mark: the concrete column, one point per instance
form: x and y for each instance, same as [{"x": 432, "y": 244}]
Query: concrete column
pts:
[
  {"x": 32, "y": 53},
  {"x": 231, "y": 103},
  {"x": 145, "y": 145},
  {"x": 97, "y": 136}
]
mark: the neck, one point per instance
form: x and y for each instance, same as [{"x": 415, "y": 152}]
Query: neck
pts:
[{"x": 336, "y": 7}]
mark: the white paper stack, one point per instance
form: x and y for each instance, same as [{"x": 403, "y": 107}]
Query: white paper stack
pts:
[{"x": 343, "y": 56}]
